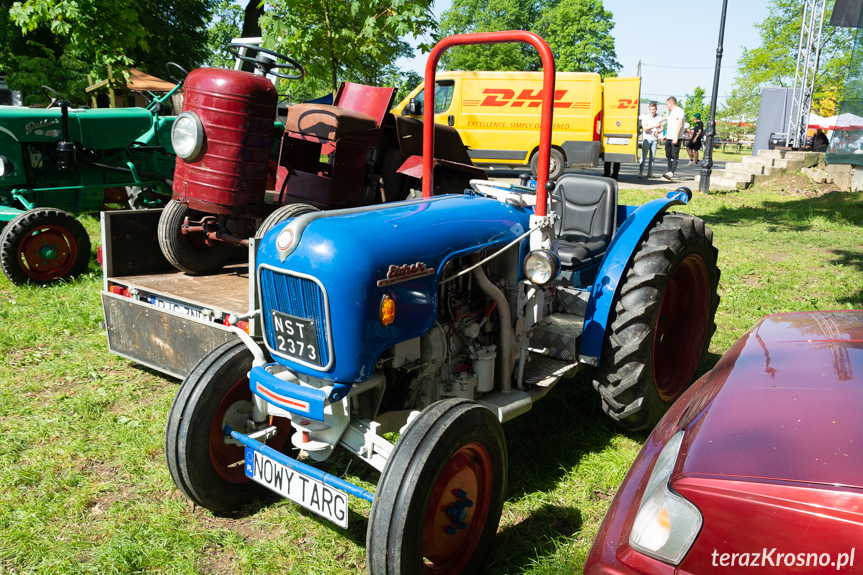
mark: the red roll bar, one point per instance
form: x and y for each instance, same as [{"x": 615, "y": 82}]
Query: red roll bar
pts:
[{"x": 547, "y": 110}]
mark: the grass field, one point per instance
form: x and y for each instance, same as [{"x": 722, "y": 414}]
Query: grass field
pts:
[{"x": 84, "y": 487}]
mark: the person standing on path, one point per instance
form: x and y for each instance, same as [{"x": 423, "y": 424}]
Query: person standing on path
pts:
[
  {"x": 673, "y": 135},
  {"x": 651, "y": 126},
  {"x": 695, "y": 140}
]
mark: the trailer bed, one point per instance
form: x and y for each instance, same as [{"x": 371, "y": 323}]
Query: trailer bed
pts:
[{"x": 157, "y": 316}]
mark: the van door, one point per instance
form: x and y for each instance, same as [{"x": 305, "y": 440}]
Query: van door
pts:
[{"x": 620, "y": 98}]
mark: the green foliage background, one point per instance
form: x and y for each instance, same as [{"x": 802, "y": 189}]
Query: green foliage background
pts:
[{"x": 577, "y": 31}]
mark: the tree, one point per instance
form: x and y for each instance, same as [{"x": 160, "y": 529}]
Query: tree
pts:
[
  {"x": 344, "y": 40},
  {"x": 737, "y": 115},
  {"x": 225, "y": 26},
  {"x": 577, "y": 31},
  {"x": 39, "y": 59},
  {"x": 773, "y": 63},
  {"x": 579, "y": 34},
  {"x": 695, "y": 104},
  {"x": 147, "y": 33}
]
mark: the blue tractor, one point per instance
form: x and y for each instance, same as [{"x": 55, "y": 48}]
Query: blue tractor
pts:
[{"x": 440, "y": 318}]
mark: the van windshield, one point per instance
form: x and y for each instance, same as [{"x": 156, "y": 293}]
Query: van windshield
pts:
[{"x": 444, "y": 90}]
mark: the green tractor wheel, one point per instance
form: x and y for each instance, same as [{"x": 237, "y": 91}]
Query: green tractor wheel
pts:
[{"x": 44, "y": 245}]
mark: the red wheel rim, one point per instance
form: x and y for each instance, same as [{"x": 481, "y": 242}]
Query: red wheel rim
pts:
[
  {"x": 681, "y": 327},
  {"x": 457, "y": 510},
  {"x": 228, "y": 459},
  {"x": 47, "y": 253}
]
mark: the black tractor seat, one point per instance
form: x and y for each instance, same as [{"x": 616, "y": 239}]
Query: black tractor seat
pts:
[{"x": 586, "y": 207}]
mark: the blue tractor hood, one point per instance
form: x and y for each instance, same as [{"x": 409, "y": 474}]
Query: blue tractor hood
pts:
[{"x": 359, "y": 255}]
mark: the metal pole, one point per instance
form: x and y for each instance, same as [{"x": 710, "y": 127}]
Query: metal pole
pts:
[{"x": 710, "y": 132}]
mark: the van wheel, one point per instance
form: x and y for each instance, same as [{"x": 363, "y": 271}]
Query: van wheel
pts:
[{"x": 556, "y": 164}]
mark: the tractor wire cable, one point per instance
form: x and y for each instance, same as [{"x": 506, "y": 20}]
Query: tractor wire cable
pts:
[{"x": 530, "y": 230}]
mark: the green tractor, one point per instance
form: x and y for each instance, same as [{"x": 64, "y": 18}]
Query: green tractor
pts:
[{"x": 61, "y": 160}]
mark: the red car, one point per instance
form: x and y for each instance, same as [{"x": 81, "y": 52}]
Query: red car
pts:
[{"x": 758, "y": 467}]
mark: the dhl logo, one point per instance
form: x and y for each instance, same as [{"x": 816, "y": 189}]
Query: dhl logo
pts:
[
  {"x": 498, "y": 97},
  {"x": 626, "y": 103}
]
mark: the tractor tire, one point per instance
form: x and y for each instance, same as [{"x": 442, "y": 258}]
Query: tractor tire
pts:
[
  {"x": 42, "y": 246},
  {"x": 190, "y": 253},
  {"x": 661, "y": 322},
  {"x": 201, "y": 464},
  {"x": 283, "y": 213},
  {"x": 142, "y": 198},
  {"x": 439, "y": 500},
  {"x": 556, "y": 164}
]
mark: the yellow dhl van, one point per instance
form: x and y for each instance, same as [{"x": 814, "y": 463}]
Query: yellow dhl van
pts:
[{"x": 497, "y": 116}]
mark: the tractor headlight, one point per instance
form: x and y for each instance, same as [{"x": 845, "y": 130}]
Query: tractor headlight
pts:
[
  {"x": 541, "y": 266},
  {"x": 187, "y": 136},
  {"x": 6, "y": 167},
  {"x": 666, "y": 524}
]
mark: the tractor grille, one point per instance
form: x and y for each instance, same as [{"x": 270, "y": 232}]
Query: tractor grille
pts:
[{"x": 296, "y": 296}]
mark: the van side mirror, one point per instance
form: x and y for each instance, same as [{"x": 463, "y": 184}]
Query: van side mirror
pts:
[{"x": 416, "y": 107}]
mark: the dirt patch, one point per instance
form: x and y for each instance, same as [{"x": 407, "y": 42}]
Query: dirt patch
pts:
[{"x": 799, "y": 185}]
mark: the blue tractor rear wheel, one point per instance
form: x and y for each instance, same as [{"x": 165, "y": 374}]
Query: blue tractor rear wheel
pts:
[{"x": 661, "y": 322}]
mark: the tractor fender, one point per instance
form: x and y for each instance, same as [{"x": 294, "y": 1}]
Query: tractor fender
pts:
[{"x": 623, "y": 245}]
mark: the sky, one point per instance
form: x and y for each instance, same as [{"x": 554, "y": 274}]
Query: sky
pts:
[{"x": 671, "y": 67}]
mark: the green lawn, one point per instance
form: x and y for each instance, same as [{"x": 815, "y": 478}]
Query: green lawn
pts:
[{"x": 84, "y": 487}]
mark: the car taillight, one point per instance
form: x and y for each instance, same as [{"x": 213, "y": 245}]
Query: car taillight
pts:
[{"x": 597, "y": 126}]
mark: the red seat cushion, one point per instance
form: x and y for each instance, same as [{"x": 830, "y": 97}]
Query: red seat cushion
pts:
[{"x": 327, "y": 122}]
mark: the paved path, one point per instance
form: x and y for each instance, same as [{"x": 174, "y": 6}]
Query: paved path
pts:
[{"x": 628, "y": 177}]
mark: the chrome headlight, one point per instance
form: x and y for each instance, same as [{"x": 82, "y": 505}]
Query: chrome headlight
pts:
[
  {"x": 6, "y": 167},
  {"x": 666, "y": 524},
  {"x": 187, "y": 136},
  {"x": 541, "y": 266}
]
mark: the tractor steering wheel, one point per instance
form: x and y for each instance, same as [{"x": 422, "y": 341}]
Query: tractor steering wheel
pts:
[
  {"x": 170, "y": 66},
  {"x": 268, "y": 66},
  {"x": 52, "y": 95}
]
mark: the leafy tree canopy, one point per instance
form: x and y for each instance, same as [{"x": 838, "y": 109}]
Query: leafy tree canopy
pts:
[
  {"x": 86, "y": 36},
  {"x": 345, "y": 40},
  {"x": 694, "y": 103},
  {"x": 773, "y": 63},
  {"x": 226, "y": 25},
  {"x": 577, "y": 31}
]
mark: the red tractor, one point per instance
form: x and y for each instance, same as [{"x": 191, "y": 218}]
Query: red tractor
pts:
[{"x": 236, "y": 164}]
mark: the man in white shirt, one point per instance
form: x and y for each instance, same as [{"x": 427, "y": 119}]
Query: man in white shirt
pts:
[
  {"x": 651, "y": 126},
  {"x": 673, "y": 136}
]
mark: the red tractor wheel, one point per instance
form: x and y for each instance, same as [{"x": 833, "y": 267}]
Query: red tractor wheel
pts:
[
  {"x": 661, "y": 322},
  {"x": 44, "y": 245},
  {"x": 440, "y": 497},
  {"x": 206, "y": 465}
]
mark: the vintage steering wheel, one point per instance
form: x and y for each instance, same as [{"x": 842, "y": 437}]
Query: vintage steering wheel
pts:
[
  {"x": 52, "y": 95},
  {"x": 170, "y": 66},
  {"x": 268, "y": 67}
]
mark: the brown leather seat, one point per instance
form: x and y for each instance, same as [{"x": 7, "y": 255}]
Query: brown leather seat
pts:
[{"x": 327, "y": 122}]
